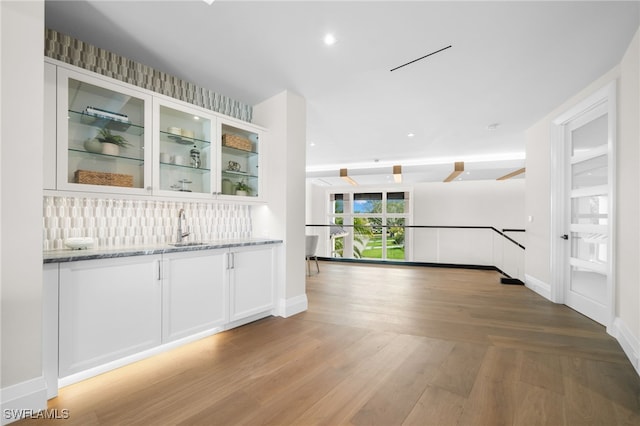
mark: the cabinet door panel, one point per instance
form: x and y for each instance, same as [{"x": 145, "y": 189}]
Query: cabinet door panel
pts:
[
  {"x": 251, "y": 282},
  {"x": 241, "y": 156},
  {"x": 184, "y": 157},
  {"x": 194, "y": 295},
  {"x": 108, "y": 309},
  {"x": 101, "y": 139}
]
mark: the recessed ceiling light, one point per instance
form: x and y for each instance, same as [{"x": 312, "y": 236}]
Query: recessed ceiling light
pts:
[
  {"x": 312, "y": 144},
  {"x": 410, "y": 135},
  {"x": 195, "y": 117},
  {"x": 329, "y": 39}
]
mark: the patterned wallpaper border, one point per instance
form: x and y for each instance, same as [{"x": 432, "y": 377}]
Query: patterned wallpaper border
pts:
[{"x": 76, "y": 52}]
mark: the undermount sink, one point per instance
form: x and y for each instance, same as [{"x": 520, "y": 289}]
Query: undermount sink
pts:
[{"x": 186, "y": 244}]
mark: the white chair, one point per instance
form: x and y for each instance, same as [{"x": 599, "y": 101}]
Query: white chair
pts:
[{"x": 311, "y": 244}]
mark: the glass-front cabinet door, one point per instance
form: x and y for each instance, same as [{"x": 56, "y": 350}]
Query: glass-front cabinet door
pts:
[
  {"x": 185, "y": 156},
  {"x": 240, "y": 158},
  {"x": 103, "y": 144}
]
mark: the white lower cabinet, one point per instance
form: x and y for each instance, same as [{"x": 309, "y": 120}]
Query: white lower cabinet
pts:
[
  {"x": 108, "y": 309},
  {"x": 251, "y": 289},
  {"x": 132, "y": 307},
  {"x": 194, "y": 295}
]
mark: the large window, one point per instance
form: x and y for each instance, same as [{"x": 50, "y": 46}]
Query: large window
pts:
[{"x": 375, "y": 222}]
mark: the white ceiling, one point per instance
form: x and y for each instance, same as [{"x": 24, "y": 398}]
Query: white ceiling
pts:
[{"x": 511, "y": 62}]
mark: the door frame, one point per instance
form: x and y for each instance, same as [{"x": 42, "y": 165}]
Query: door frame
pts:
[{"x": 559, "y": 209}]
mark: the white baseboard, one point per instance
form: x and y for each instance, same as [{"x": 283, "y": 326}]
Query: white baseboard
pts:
[
  {"x": 247, "y": 320},
  {"x": 23, "y": 399},
  {"x": 540, "y": 287},
  {"x": 292, "y": 306},
  {"x": 630, "y": 343}
]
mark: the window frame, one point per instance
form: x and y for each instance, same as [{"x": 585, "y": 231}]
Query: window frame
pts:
[{"x": 348, "y": 216}]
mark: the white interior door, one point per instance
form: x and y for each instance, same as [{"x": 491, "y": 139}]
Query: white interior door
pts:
[{"x": 584, "y": 256}]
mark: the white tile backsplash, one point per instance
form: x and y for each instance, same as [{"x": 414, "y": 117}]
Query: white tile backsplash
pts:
[{"x": 114, "y": 223}]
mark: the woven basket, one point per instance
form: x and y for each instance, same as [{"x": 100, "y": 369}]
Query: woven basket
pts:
[
  {"x": 101, "y": 178},
  {"x": 235, "y": 141}
]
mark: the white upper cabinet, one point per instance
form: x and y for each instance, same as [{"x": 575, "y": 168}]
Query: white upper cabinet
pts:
[
  {"x": 241, "y": 156},
  {"x": 185, "y": 157},
  {"x": 162, "y": 146},
  {"x": 102, "y": 134}
]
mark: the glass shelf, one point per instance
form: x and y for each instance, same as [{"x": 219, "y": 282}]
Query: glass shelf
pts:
[
  {"x": 182, "y": 140},
  {"x": 236, "y": 151},
  {"x": 199, "y": 170},
  {"x": 99, "y": 122},
  {"x": 231, "y": 173},
  {"x": 101, "y": 156}
]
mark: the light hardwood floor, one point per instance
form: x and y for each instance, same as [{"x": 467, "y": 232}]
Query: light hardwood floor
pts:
[{"x": 381, "y": 346}]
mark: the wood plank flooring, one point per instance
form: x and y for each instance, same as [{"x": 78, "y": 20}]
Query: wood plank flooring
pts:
[{"x": 381, "y": 345}]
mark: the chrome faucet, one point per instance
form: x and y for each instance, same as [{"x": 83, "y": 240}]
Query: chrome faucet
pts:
[{"x": 181, "y": 234}]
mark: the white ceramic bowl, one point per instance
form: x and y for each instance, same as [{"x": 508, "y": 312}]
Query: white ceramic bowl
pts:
[{"x": 79, "y": 243}]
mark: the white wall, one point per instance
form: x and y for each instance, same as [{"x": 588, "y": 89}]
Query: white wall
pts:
[
  {"x": 317, "y": 203},
  {"x": 22, "y": 104},
  {"x": 627, "y": 268},
  {"x": 538, "y": 197},
  {"x": 285, "y": 117},
  {"x": 475, "y": 203}
]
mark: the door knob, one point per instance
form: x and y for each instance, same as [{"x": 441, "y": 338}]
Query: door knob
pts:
[{"x": 564, "y": 237}]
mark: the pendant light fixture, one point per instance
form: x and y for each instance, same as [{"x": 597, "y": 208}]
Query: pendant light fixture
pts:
[
  {"x": 457, "y": 169},
  {"x": 345, "y": 176},
  {"x": 397, "y": 174}
]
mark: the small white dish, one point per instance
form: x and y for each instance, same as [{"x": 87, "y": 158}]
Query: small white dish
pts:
[
  {"x": 79, "y": 243},
  {"x": 175, "y": 131}
]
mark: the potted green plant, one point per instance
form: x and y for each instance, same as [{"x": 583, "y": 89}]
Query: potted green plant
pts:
[
  {"x": 242, "y": 188},
  {"x": 111, "y": 143}
]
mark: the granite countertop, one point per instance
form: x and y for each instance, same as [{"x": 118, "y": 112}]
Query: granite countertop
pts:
[{"x": 69, "y": 255}]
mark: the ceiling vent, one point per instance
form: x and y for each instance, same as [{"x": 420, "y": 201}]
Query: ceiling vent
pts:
[{"x": 425, "y": 56}]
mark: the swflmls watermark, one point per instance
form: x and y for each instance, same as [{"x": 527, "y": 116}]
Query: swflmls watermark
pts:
[{"x": 52, "y": 414}]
